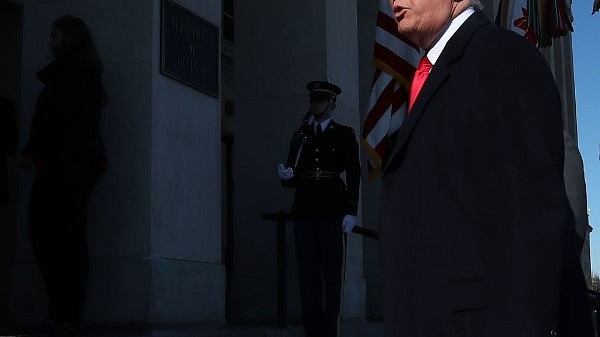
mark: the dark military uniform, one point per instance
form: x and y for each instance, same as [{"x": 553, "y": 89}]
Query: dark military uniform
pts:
[
  {"x": 321, "y": 201},
  {"x": 320, "y": 191}
]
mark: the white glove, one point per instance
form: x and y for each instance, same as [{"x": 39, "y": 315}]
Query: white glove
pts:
[
  {"x": 285, "y": 173},
  {"x": 348, "y": 223}
]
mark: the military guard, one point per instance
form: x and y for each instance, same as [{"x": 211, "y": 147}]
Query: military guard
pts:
[{"x": 324, "y": 207}]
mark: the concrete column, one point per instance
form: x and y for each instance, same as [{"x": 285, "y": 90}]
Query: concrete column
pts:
[
  {"x": 342, "y": 67},
  {"x": 155, "y": 220}
]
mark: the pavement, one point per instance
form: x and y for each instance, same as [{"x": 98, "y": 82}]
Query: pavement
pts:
[{"x": 350, "y": 328}]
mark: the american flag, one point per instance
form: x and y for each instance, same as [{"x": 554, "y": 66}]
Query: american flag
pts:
[{"x": 395, "y": 60}]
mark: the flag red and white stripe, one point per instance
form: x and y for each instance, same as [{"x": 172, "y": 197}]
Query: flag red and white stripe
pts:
[{"x": 395, "y": 60}]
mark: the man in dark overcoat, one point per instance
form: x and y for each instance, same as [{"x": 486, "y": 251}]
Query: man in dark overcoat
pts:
[{"x": 477, "y": 236}]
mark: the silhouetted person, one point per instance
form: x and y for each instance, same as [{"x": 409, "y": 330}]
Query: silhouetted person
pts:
[{"x": 67, "y": 150}]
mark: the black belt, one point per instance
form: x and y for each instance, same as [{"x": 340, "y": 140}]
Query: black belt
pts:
[{"x": 316, "y": 175}]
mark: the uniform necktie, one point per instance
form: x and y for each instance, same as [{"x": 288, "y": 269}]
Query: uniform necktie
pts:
[
  {"x": 417, "y": 83},
  {"x": 319, "y": 129}
]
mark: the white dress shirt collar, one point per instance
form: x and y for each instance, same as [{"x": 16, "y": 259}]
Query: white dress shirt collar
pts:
[
  {"x": 434, "y": 53},
  {"x": 323, "y": 124}
]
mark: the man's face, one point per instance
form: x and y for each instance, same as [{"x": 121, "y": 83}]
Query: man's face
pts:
[
  {"x": 320, "y": 107},
  {"x": 422, "y": 21}
]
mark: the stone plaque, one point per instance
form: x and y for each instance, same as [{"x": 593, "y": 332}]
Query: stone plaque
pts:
[{"x": 189, "y": 48}]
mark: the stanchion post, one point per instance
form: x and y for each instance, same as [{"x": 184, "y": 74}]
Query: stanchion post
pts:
[{"x": 281, "y": 217}]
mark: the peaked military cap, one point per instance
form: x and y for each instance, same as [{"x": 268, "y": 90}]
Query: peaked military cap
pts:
[{"x": 323, "y": 90}]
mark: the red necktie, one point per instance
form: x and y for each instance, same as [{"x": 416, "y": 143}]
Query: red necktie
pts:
[{"x": 417, "y": 82}]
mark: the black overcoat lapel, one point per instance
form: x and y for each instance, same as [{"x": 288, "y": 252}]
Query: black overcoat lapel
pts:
[{"x": 440, "y": 72}]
